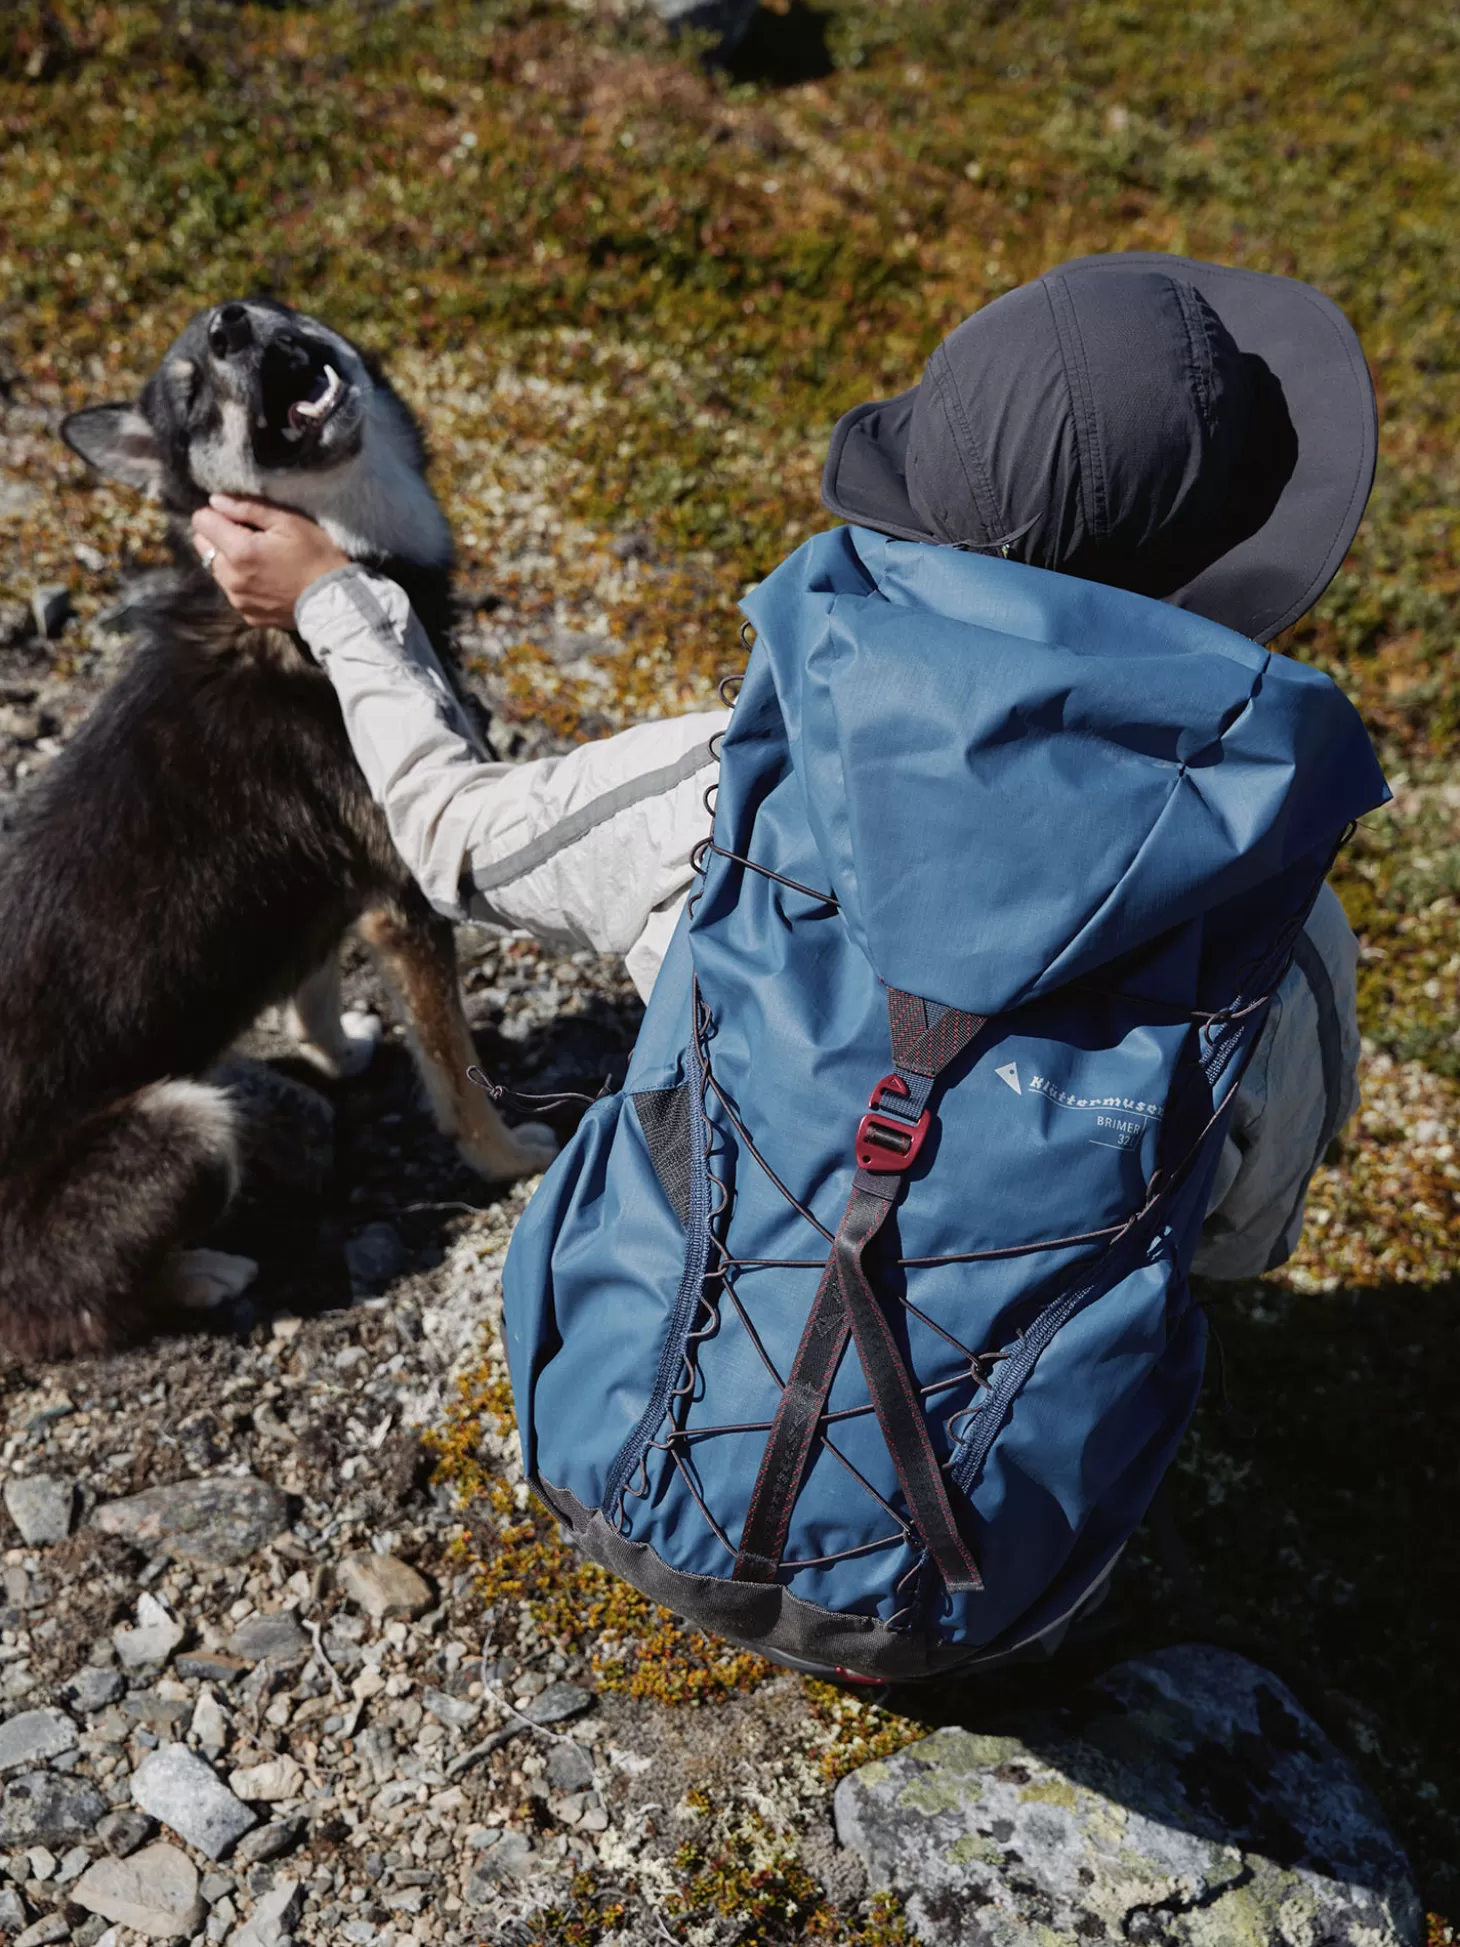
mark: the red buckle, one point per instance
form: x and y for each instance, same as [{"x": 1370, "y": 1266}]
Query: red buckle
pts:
[{"x": 886, "y": 1143}]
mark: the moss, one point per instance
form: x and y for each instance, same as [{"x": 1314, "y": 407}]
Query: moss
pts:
[
  {"x": 854, "y": 1730},
  {"x": 742, "y": 1871},
  {"x": 523, "y": 1565}
]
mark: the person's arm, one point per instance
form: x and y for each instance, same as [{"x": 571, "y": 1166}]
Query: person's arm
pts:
[
  {"x": 587, "y": 849},
  {"x": 1300, "y": 1088}
]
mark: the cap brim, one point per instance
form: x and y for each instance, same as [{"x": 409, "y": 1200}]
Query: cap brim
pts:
[
  {"x": 1263, "y": 583},
  {"x": 865, "y": 477}
]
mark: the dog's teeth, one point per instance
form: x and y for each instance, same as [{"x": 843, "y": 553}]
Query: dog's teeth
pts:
[
  {"x": 317, "y": 408},
  {"x": 292, "y": 432}
]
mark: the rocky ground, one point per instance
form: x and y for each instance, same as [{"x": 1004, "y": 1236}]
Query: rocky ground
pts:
[{"x": 277, "y": 1707}]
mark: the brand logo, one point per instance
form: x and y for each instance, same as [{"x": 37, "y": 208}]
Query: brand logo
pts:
[
  {"x": 1009, "y": 1076},
  {"x": 1126, "y": 1104}
]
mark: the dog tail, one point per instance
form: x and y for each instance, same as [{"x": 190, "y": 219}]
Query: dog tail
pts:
[{"x": 85, "y": 1235}]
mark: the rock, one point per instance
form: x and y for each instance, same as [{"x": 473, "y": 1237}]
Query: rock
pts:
[
  {"x": 280, "y": 1777},
  {"x": 269, "y": 1923},
  {"x": 559, "y": 1702},
  {"x": 1183, "y": 1798},
  {"x": 569, "y": 1768},
  {"x": 33, "y": 1736},
  {"x": 154, "y": 1892},
  {"x": 44, "y": 1808},
  {"x": 276, "y": 1637},
  {"x": 50, "y": 1927},
  {"x": 209, "y": 1725},
  {"x": 51, "y": 606},
  {"x": 213, "y": 1523},
  {"x": 17, "y": 624},
  {"x": 206, "y": 1666},
  {"x": 384, "y": 1587},
  {"x": 93, "y": 1932},
  {"x": 76, "y": 1861},
  {"x": 153, "y": 1640},
  {"x": 23, "y": 1591},
  {"x": 460, "y": 1713},
  {"x": 375, "y": 1257},
  {"x": 42, "y": 1507},
  {"x": 12, "y": 1911},
  {"x": 92, "y": 1689},
  {"x": 22, "y": 726},
  {"x": 17, "y": 497},
  {"x": 122, "y": 1832},
  {"x": 510, "y": 1856},
  {"x": 270, "y": 1841},
  {"x": 179, "y": 1789}
]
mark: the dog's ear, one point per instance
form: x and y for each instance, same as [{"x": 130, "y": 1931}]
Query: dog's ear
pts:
[{"x": 119, "y": 442}]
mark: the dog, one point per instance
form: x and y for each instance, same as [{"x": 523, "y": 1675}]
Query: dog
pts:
[{"x": 200, "y": 848}]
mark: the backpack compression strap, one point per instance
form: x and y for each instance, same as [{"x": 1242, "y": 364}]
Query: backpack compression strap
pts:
[{"x": 925, "y": 1039}]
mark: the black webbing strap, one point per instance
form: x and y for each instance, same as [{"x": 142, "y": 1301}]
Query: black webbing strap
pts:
[{"x": 925, "y": 1039}]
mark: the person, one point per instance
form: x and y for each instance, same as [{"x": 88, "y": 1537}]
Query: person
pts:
[{"x": 1196, "y": 433}]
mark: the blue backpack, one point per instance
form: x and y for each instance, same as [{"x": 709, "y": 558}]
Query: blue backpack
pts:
[{"x": 856, "y": 1326}]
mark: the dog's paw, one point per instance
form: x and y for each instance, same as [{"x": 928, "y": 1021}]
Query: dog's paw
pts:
[
  {"x": 204, "y": 1280},
  {"x": 524, "y": 1151},
  {"x": 352, "y": 1053}
]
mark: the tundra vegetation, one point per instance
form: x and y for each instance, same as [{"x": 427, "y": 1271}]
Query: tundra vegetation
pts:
[{"x": 629, "y": 292}]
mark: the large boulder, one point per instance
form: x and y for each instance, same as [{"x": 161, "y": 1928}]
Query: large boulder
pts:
[{"x": 1183, "y": 1798}]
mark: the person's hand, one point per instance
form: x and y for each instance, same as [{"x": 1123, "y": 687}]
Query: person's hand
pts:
[{"x": 262, "y": 557}]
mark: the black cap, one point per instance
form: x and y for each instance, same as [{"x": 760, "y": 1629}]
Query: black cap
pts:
[{"x": 1196, "y": 433}]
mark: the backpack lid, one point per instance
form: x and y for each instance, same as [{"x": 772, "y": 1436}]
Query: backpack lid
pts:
[{"x": 1069, "y": 768}]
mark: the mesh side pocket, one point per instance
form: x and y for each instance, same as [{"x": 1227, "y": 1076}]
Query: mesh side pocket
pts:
[{"x": 664, "y": 1118}]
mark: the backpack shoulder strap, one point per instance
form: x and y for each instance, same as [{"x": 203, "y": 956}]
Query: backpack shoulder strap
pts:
[{"x": 925, "y": 1040}]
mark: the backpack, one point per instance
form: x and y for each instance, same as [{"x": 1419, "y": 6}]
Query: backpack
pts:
[{"x": 856, "y": 1326}]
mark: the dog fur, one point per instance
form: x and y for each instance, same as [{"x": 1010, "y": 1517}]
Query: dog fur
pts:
[{"x": 202, "y": 845}]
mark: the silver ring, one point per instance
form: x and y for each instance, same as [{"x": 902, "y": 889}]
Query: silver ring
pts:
[{"x": 209, "y": 558}]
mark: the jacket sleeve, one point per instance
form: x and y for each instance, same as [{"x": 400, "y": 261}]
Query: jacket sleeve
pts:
[
  {"x": 591, "y": 849},
  {"x": 1300, "y": 1088}
]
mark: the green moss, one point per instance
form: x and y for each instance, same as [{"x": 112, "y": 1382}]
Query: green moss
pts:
[
  {"x": 739, "y": 1870},
  {"x": 523, "y": 1565}
]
